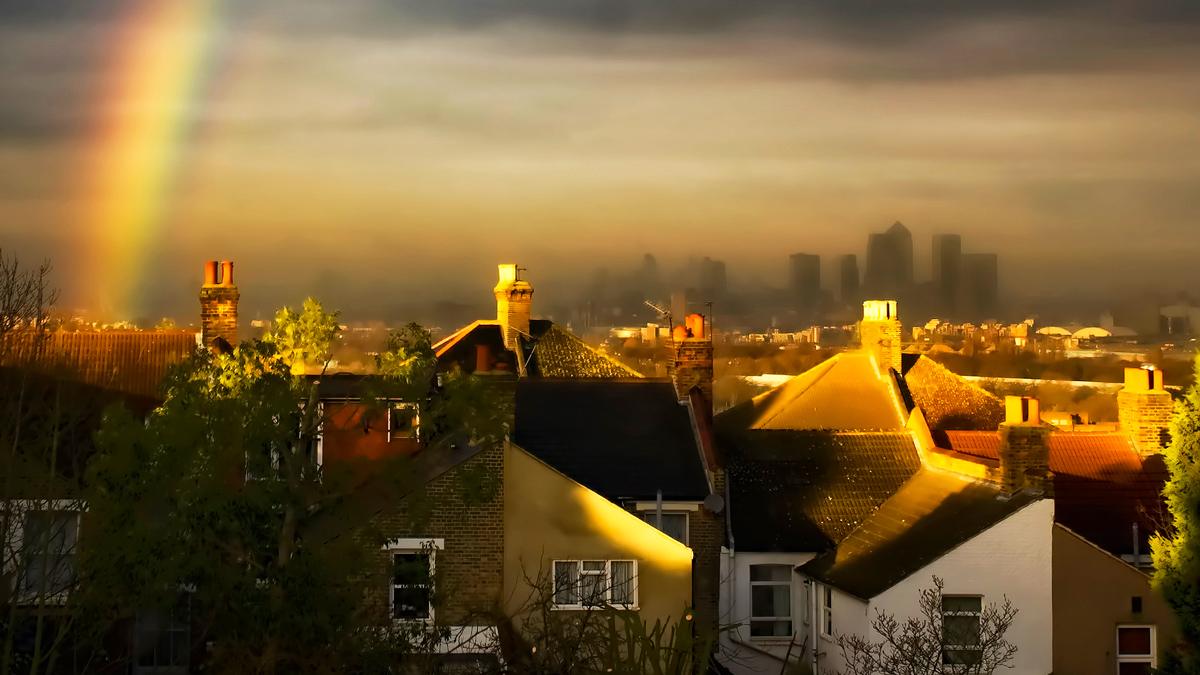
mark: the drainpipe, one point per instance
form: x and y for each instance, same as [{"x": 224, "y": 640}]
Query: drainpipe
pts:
[
  {"x": 658, "y": 511},
  {"x": 813, "y": 627}
]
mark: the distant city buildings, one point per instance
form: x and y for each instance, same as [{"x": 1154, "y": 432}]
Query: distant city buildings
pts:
[
  {"x": 947, "y": 269},
  {"x": 848, "y": 279},
  {"x": 804, "y": 279},
  {"x": 890, "y": 262},
  {"x": 713, "y": 282}
]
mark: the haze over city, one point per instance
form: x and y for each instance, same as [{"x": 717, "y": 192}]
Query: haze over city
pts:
[{"x": 383, "y": 153}]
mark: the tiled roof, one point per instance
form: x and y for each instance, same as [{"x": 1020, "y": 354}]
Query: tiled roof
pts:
[
  {"x": 806, "y": 490},
  {"x": 847, "y": 392},
  {"x": 1102, "y": 487},
  {"x": 552, "y": 352},
  {"x": 625, "y": 439},
  {"x": 558, "y": 353},
  {"x": 947, "y": 400},
  {"x": 927, "y": 517},
  {"x": 129, "y": 361}
]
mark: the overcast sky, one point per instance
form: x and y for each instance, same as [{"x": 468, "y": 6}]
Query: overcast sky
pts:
[{"x": 375, "y": 152}]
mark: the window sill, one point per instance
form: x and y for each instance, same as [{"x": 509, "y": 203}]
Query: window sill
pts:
[{"x": 592, "y": 608}]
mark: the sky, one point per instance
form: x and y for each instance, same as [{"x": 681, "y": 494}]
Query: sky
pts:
[{"x": 380, "y": 153}]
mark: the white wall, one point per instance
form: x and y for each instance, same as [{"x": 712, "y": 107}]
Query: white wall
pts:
[
  {"x": 739, "y": 652},
  {"x": 1011, "y": 559}
]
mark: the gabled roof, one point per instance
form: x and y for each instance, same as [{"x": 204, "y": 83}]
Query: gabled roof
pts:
[
  {"x": 947, "y": 400},
  {"x": 549, "y": 351},
  {"x": 1102, "y": 486},
  {"x": 930, "y": 515},
  {"x": 848, "y": 392},
  {"x": 625, "y": 439},
  {"x": 806, "y": 490}
]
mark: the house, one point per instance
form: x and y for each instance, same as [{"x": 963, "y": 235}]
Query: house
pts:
[{"x": 876, "y": 470}]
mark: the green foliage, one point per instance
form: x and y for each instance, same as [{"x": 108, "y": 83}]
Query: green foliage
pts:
[
  {"x": 1177, "y": 553},
  {"x": 303, "y": 338}
]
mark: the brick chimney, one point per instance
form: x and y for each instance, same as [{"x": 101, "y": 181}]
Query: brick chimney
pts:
[
  {"x": 880, "y": 332},
  {"x": 1024, "y": 446},
  {"x": 218, "y": 305},
  {"x": 1144, "y": 409},
  {"x": 514, "y": 304},
  {"x": 691, "y": 364}
]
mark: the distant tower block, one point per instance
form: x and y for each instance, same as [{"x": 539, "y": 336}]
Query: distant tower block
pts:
[
  {"x": 880, "y": 332},
  {"x": 219, "y": 304},
  {"x": 514, "y": 304},
  {"x": 1144, "y": 409}
]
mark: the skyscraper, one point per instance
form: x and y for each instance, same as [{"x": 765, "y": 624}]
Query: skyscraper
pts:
[
  {"x": 848, "y": 279},
  {"x": 980, "y": 284},
  {"x": 890, "y": 261},
  {"x": 713, "y": 283},
  {"x": 947, "y": 269},
  {"x": 804, "y": 279}
]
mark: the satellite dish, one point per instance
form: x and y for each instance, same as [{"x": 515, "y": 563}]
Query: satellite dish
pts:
[{"x": 714, "y": 502}]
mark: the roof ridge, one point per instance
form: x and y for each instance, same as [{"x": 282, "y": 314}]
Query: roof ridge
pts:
[
  {"x": 633, "y": 373},
  {"x": 827, "y": 365}
]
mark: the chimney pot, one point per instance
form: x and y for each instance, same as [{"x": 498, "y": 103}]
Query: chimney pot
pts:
[
  {"x": 695, "y": 325},
  {"x": 1144, "y": 410},
  {"x": 1022, "y": 410},
  {"x": 210, "y": 273}
]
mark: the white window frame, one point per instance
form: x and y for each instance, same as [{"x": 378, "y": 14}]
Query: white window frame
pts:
[
  {"x": 947, "y": 647},
  {"x": 608, "y": 586},
  {"x": 401, "y": 546},
  {"x": 826, "y": 610},
  {"x": 392, "y": 404},
  {"x": 791, "y": 589},
  {"x": 650, "y": 516},
  {"x": 1151, "y": 658},
  {"x": 14, "y": 548}
]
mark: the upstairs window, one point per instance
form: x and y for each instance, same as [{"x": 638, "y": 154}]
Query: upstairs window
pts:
[
  {"x": 771, "y": 601},
  {"x": 1135, "y": 650},
  {"x": 674, "y": 524},
  {"x": 47, "y": 570},
  {"x": 412, "y": 586},
  {"x": 961, "y": 629},
  {"x": 580, "y": 584},
  {"x": 404, "y": 421},
  {"x": 827, "y": 611}
]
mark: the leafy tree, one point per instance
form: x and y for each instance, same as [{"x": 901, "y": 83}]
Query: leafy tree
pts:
[
  {"x": 918, "y": 645},
  {"x": 204, "y": 505},
  {"x": 1177, "y": 553}
]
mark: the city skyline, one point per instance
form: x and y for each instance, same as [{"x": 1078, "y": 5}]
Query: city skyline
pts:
[{"x": 417, "y": 144}]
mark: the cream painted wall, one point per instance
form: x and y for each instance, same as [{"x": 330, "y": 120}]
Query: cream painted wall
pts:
[
  {"x": 1012, "y": 558},
  {"x": 548, "y": 517},
  {"x": 741, "y": 653}
]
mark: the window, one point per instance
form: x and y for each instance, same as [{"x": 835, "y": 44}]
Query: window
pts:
[
  {"x": 771, "y": 601},
  {"x": 403, "y": 421},
  {"x": 162, "y": 641},
  {"x": 1135, "y": 650},
  {"x": 827, "y": 611},
  {"x": 411, "y": 586},
  {"x": 48, "y": 541},
  {"x": 960, "y": 629},
  {"x": 674, "y": 524},
  {"x": 594, "y": 583}
]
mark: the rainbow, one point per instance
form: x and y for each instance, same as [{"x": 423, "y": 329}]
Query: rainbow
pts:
[{"x": 149, "y": 97}]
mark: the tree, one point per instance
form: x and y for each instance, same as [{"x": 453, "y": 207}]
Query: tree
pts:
[
  {"x": 1176, "y": 552},
  {"x": 202, "y": 507},
  {"x": 935, "y": 642}
]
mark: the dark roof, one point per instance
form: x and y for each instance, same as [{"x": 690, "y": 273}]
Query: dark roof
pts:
[
  {"x": 947, "y": 400},
  {"x": 931, "y": 514},
  {"x": 625, "y": 439},
  {"x": 806, "y": 490},
  {"x": 129, "y": 361},
  {"x": 550, "y": 351},
  {"x": 1102, "y": 486}
]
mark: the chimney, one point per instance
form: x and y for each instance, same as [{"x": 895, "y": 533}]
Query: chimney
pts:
[
  {"x": 514, "y": 304},
  {"x": 1024, "y": 446},
  {"x": 1144, "y": 409},
  {"x": 218, "y": 306},
  {"x": 691, "y": 364},
  {"x": 880, "y": 332}
]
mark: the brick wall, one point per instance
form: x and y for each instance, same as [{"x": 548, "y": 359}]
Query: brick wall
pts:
[
  {"x": 1024, "y": 457},
  {"x": 883, "y": 339},
  {"x": 469, "y": 570},
  {"x": 692, "y": 367},
  {"x": 1146, "y": 417},
  {"x": 707, "y": 535},
  {"x": 218, "y": 313}
]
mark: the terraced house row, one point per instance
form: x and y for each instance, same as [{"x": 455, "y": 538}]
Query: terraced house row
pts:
[{"x": 772, "y": 527}]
